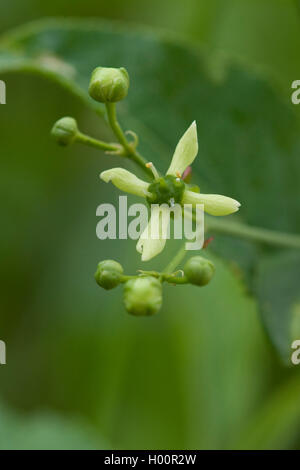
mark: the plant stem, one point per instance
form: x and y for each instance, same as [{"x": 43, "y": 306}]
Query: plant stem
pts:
[
  {"x": 129, "y": 149},
  {"x": 124, "y": 278},
  {"x": 255, "y": 234},
  {"x": 175, "y": 279},
  {"x": 164, "y": 277},
  {"x": 112, "y": 118},
  {"x": 176, "y": 260},
  {"x": 87, "y": 140}
]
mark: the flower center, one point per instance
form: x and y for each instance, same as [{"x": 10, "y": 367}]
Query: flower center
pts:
[{"x": 166, "y": 190}]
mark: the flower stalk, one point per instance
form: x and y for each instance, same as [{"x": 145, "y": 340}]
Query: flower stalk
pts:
[{"x": 129, "y": 149}]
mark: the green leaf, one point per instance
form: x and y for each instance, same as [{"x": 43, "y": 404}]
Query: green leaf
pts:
[
  {"x": 277, "y": 289},
  {"x": 248, "y": 139}
]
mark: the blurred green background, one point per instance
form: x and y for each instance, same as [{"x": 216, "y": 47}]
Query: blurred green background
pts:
[{"x": 80, "y": 372}]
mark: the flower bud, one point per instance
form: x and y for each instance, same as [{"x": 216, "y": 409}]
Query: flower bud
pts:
[
  {"x": 143, "y": 296},
  {"x": 65, "y": 130},
  {"x": 108, "y": 274},
  {"x": 109, "y": 85},
  {"x": 199, "y": 271}
]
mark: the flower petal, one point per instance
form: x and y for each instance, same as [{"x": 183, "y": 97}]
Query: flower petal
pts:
[
  {"x": 214, "y": 204},
  {"x": 153, "y": 239},
  {"x": 185, "y": 152},
  {"x": 126, "y": 181}
]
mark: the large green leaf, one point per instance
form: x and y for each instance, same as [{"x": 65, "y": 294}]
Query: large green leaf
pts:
[
  {"x": 277, "y": 287},
  {"x": 249, "y": 140}
]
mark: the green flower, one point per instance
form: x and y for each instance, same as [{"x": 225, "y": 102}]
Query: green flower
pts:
[{"x": 167, "y": 190}]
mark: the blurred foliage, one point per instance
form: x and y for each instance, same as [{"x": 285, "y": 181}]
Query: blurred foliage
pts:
[
  {"x": 201, "y": 374},
  {"x": 262, "y": 33},
  {"x": 44, "y": 432}
]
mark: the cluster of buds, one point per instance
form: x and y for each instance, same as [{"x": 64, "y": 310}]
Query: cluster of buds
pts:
[
  {"x": 142, "y": 294},
  {"x": 108, "y": 86}
]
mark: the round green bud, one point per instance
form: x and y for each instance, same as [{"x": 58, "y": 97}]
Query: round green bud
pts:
[
  {"x": 108, "y": 274},
  {"x": 199, "y": 271},
  {"x": 65, "y": 131},
  {"x": 109, "y": 85},
  {"x": 143, "y": 296}
]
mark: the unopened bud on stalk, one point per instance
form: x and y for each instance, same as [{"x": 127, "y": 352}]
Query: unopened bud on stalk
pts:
[
  {"x": 65, "y": 131},
  {"x": 109, "y": 274},
  {"x": 109, "y": 85},
  {"x": 199, "y": 271},
  {"x": 143, "y": 296}
]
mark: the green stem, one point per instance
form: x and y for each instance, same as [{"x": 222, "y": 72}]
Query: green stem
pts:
[
  {"x": 112, "y": 118},
  {"x": 255, "y": 234},
  {"x": 124, "y": 278},
  {"x": 164, "y": 277},
  {"x": 176, "y": 260},
  {"x": 175, "y": 279},
  {"x": 87, "y": 140},
  {"x": 129, "y": 149},
  {"x": 246, "y": 232}
]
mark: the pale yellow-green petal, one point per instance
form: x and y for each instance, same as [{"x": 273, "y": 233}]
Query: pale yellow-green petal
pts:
[
  {"x": 214, "y": 204},
  {"x": 150, "y": 248},
  {"x": 126, "y": 181},
  {"x": 185, "y": 152},
  {"x": 153, "y": 239}
]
